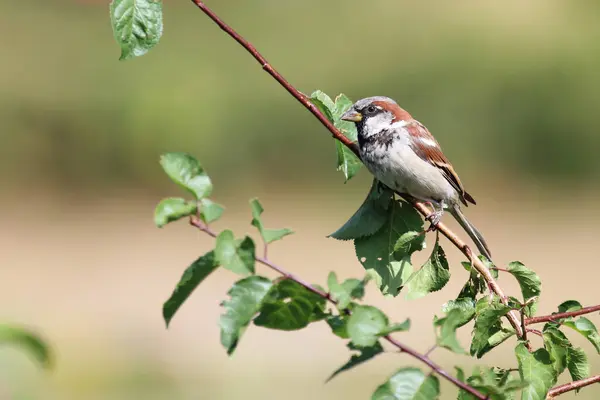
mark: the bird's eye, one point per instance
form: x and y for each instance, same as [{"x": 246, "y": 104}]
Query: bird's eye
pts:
[{"x": 371, "y": 109}]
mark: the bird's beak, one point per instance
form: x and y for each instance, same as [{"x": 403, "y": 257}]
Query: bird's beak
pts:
[{"x": 352, "y": 116}]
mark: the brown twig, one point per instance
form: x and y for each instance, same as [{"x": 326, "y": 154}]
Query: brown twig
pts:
[
  {"x": 567, "y": 387},
  {"x": 556, "y": 316},
  {"x": 196, "y": 222},
  {"x": 462, "y": 246}
]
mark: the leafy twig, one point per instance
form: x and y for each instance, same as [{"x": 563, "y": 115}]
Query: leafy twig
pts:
[
  {"x": 567, "y": 387},
  {"x": 556, "y": 316},
  {"x": 462, "y": 246},
  {"x": 196, "y": 222}
]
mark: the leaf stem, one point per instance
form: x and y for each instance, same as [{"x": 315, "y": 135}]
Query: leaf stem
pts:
[
  {"x": 567, "y": 387},
  {"x": 196, "y": 222},
  {"x": 556, "y": 316}
]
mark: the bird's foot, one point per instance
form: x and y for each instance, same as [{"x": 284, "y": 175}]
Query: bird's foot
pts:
[{"x": 434, "y": 217}]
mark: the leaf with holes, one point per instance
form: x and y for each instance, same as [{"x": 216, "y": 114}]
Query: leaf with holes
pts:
[
  {"x": 268, "y": 235},
  {"x": 186, "y": 171},
  {"x": 537, "y": 369},
  {"x": 171, "y": 209},
  {"x": 487, "y": 324},
  {"x": 364, "y": 354},
  {"x": 431, "y": 277},
  {"x": 191, "y": 278},
  {"x": 246, "y": 297},
  {"x": 409, "y": 384},
  {"x": 235, "y": 255},
  {"x": 28, "y": 340},
  {"x": 290, "y": 306},
  {"x": 531, "y": 285},
  {"x": 137, "y": 25},
  {"x": 370, "y": 217},
  {"x": 376, "y": 253}
]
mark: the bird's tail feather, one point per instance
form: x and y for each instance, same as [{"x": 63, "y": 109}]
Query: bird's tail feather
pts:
[{"x": 471, "y": 231}]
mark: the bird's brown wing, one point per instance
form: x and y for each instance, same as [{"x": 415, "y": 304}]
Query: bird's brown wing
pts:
[{"x": 426, "y": 147}]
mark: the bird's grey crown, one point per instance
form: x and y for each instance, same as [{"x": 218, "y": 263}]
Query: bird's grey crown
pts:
[{"x": 362, "y": 103}]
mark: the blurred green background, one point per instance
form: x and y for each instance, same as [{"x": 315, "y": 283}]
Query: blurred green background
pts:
[{"x": 510, "y": 89}]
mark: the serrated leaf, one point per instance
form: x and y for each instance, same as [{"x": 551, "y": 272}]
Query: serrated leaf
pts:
[
  {"x": 364, "y": 354},
  {"x": 210, "y": 211},
  {"x": 28, "y": 340},
  {"x": 577, "y": 363},
  {"x": 246, "y": 297},
  {"x": 431, "y": 277},
  {"x": 409, "y": 384},
  {"x": 406, "y": 240},
  {"x": 376, "y": 252},
  {"x": 487, "y": 323},
  {"x": 535, "y": 368},
  {"x": 337, "y": 323},
  {"x": 370, "y": 217},
  {"x": 191, "y": 278},
  {"x": 446, "y": 337},
  {"x": 586, "y": 328},
  {"x": 290, "y": 306},
  {"x": 465, "y": 305},
  {"x": 186, "y": 171},
  {"x": 234, "y": 255},
  {"x": 365, "y": 325},
  {"x": 556, "y": 343},
  {"x": 530, "y": 283},
  {"x": 268, "y": 235},
  {"x": 137, "y": 25},
  {"x": 171, "y": 209}
]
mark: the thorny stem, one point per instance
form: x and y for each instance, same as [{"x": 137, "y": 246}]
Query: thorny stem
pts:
[
  {"x": 450, "y": 235},
  {"x": 196, "y": 222},
  {"x": 554, "y": 317},
  {"x": 567, "y": 387}
]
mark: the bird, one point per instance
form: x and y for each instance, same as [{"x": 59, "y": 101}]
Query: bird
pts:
[{"x": 403, "y": 155}]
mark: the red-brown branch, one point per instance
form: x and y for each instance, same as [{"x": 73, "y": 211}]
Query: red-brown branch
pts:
[
  {"x": 567, "y": 387},
  {"x": 455, "y": 239},
  {"x": 556, "y": 316},
  {"x": 196, "y": 222}
]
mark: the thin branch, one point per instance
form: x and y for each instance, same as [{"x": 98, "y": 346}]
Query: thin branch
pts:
[
  {"x": 462, "y": 246},
  {"x": 567, "y": 387},
  {"x": 556, "y": 316},
  {"x": 196, "y": 222}
]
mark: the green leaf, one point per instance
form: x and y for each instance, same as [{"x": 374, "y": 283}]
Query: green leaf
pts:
[
  {"x": 569, "y": 306},
  {"x": 371, "y": 215},
  {"x": 460, "y": 374},
  {"x": 537, "y": 369},
  {"x": 234, "y": 255},
  {"x": 268, "y": 235},
  {"x": 190, "y": 279},
  {"x": 475, "y": 285},
  {"x": 466, "y": 307},
  {"x": 409, "y": 384},
  {"x": 364, "y": 354},
  {"x": 28, "y": 340},
  {"x": 531, "y": 285},
  {"x": 246, "y": 299},
  {"x": 338, "y": 323},
  {"x": 400, "y": 327},
  {"x": 365, "y": 325},
  {"x": 323, "y": 103},
  {"x": 586, "y": 328},
  {"x": 578, "y": 364},
  {"x": 557, "y": 345},
  {"x": 448, "y": 325},
  {"x": 137, "y": 25},
  {"x": 210, "y": 211},
  {"x": 496, "y": 383},
  {"x": 487, "y": 324},
  {"x": 432, "y": 276},
  {"x": 345, "y": 292},
  {"x": 290, "y": 306},
  {"x": 171, "y": 209},
  {"x": 376, "y": 253},
  {"x": 186, "y": 171}
]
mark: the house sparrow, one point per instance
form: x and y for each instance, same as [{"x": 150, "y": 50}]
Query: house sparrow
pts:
[{"x": 401, "y": 153}]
